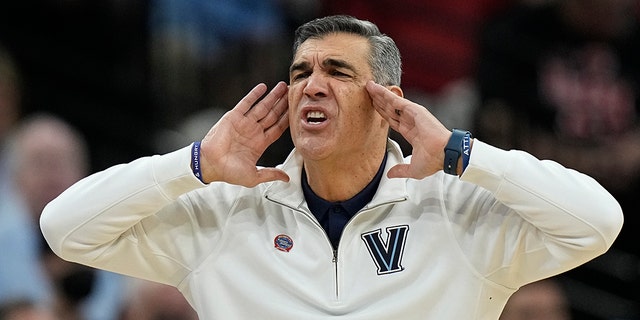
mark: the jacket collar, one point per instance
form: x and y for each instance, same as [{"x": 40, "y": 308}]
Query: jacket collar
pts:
[{"x": 290, "y": 193}]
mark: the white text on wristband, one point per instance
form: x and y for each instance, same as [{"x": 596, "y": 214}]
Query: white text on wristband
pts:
[{"x": 195, "y": 160}]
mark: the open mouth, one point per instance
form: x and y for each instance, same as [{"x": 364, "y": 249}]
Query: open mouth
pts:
[{"x": 316, "y": 117}]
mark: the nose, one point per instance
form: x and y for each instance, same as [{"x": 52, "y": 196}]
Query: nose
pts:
[{"x": 316, "y": 86}]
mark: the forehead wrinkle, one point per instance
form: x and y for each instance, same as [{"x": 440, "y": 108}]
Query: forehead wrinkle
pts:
[{"x": 328, "y": 51}]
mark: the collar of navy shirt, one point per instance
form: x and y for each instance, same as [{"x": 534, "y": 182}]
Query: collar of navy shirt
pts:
[{"x": 333, "y": 216}]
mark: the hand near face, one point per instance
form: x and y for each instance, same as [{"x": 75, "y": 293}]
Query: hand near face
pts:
[
  {"x": 426, "y": 134},
  {"x": 231, "y": 149}
]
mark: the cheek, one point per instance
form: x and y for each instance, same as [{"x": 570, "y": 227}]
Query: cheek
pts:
[
  {"x": 365, "y": 120},
  {"x": 294, "y": 95},
  {"x": 359, "y": 119},
  {"x": 293, "y": 100}
]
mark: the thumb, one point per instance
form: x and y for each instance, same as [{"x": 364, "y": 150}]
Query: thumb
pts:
[
  {"x": 271, "y": 174},
  {"x": 399, "y": 171}
]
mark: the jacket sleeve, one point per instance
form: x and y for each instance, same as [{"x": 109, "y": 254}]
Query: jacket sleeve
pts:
[
  {"x": 109, "y": 220},
  {"x": 542, "y": 218}
]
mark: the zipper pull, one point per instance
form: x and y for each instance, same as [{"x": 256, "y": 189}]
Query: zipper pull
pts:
[{"x": 335, "y": 256}]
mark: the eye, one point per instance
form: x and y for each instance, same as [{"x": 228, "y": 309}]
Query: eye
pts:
[
  {"x": 337, "y": 73},
  {"x": 300, "y": 76}
]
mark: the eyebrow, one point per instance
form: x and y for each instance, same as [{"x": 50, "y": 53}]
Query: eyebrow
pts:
[
  {"x": 336, "y": 63},
  {"x": 304, "y": 65}
]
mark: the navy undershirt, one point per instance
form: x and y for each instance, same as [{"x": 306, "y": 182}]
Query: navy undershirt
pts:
[{"x": 333, "y": 216}]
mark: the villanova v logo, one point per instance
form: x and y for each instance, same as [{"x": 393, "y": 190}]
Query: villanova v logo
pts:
[{"x": 387, "y": 256}]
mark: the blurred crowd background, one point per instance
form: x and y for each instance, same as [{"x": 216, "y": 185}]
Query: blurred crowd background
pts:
[{"x": 85, "y": 85}]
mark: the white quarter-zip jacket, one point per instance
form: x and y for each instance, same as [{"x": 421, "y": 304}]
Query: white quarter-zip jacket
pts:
[{"x": 443, "y": 247}]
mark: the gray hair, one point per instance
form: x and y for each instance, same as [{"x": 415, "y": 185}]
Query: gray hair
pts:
[{"x": 384, "y": 56}]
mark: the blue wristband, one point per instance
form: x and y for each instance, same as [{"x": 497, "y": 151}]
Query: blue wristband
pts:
[
  {"x": 195, "y": 161},
  {"x": 454, "y": 150}
]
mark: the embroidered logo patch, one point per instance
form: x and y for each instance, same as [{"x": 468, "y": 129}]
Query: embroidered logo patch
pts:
[
  {"x": 387, "y": 255},
  {"x": 283, "y": 242}
]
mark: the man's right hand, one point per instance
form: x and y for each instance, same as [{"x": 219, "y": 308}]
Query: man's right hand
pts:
[{"x": 231, "y": 149}]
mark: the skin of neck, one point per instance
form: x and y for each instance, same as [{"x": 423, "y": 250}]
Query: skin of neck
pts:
[{"x": 341, "y": 178}]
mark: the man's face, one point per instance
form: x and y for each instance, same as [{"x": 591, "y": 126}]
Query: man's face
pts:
[{"x": 330, "y": 111}]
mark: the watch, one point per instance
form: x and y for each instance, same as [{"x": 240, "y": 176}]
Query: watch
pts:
[{"x": 453, "y": 151}]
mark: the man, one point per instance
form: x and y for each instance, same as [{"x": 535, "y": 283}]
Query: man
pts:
[
  {"x": 46, "y": 155},
  {"x": 345, "y": 227},
  {"x": 21, "y": 277}
]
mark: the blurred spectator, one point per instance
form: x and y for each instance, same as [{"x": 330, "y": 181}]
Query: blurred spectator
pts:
[
  {"x": 46, "y": 156},
  {"x": 541, "y": 300},
  {"x": 148, "y": 300},
  {"x": 21, "y": 276},
  {"x": 561, "y": 79},
  {"x": 87, "y": 62},
  {"x": 24, "y": 310}
]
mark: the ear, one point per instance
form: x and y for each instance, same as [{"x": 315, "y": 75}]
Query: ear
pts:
[{"x": 397, "y": 90}]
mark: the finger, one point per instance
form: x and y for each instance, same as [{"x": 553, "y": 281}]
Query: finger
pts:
[
  {"x": 277, "y": 129},
  {"x": 275, "y": 113},
  {"x": 262, "y": 108},
  {"x": 250, "y": 99},
  {"x": 386, "y": 102},
  {"x": 399, "y": 171},
  {"x": 389, "y": 112},
  {"x": 271, "y": 174}
]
